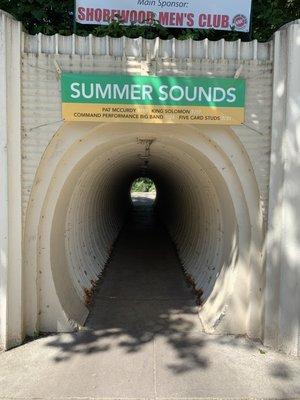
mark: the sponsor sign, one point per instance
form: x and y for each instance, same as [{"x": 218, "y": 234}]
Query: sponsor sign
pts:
[
  {"x": 153, "y": 99},
  {"x": 217, "y": 14}
]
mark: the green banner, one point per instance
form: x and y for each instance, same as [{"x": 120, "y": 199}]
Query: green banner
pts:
[
  {"x": 153, "y": 90},
  {"x": 160, "y": 99}
]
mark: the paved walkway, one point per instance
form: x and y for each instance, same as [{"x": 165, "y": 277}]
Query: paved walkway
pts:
[{"x": 143, "y": 339}]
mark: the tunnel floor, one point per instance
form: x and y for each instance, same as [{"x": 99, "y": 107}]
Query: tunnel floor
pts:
[
  {"x": 143, "y": 290},
  {"x": 143, "y": 339}
]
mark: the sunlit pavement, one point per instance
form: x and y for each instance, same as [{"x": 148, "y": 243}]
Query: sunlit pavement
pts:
[{"x": 143, "y": 338}]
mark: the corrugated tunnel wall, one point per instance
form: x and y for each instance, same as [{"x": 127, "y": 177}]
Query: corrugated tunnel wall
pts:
[
  {"x": 193, "y": 201},
  {"x": 212, "y": 181}
]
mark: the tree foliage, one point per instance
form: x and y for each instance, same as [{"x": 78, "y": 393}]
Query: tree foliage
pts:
[
  {"x": 143, "y": 185},
  {"x": 54, "y": 16}
]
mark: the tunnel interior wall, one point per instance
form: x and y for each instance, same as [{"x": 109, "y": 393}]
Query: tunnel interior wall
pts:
[
  {"x": 86, "y": 174},
  {"x": 75, "y": 177},
  {"x": 186, "y": 193}
]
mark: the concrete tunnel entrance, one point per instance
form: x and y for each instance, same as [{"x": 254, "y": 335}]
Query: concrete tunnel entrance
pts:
[{"x": 83, "y": 190}]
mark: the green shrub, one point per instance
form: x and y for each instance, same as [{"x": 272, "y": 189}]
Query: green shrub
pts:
[
  {"x": 53, "y": 16},
  {"x": 143, "y": 185}
]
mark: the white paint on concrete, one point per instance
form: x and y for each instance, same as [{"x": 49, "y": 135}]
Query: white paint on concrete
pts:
[
  {"x": 10, "y": 183},
  {"x": 190, "y": 51},
  {"x": 282, "y": 323}
]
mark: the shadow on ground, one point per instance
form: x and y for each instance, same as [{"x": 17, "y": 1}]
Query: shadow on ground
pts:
[
  {"x": 141, "y": 296},
  {"x": 144, "y": 320}
]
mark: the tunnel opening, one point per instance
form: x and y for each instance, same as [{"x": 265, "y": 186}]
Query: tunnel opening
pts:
[
  {"x": 143, "y": 190},
  {"x": 87, "y": 203}
]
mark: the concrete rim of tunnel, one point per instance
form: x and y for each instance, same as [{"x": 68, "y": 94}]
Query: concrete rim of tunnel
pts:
[{"x": 55, "y": 298}]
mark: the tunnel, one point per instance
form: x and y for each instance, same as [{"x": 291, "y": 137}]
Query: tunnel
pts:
[{"x": 207, "y": 200}]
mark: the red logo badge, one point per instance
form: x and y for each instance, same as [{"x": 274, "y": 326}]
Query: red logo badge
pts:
[{"x": 239, "y": 21}]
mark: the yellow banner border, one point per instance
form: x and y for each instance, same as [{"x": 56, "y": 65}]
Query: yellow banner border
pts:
[{"x": 153, "y": 114}]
